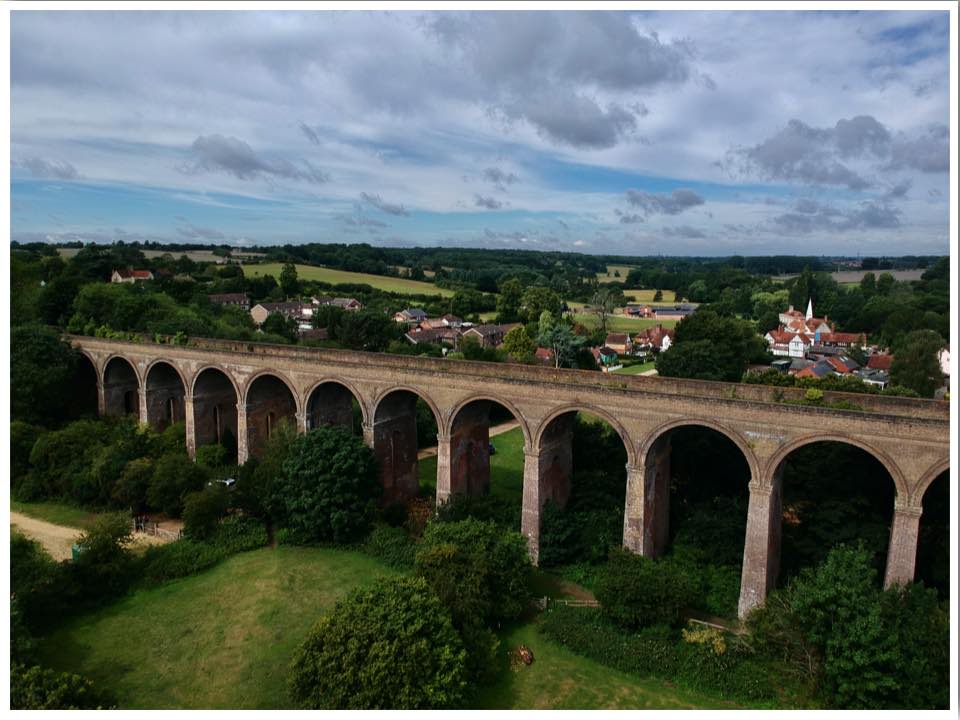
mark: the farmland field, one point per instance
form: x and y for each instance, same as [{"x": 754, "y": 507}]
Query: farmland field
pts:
[
  {"x": 646, "y": 296},
  {"x": 609, "y": 276},
  {"x": 403, "y": 286},
  {"x": 621, "y": 323}
]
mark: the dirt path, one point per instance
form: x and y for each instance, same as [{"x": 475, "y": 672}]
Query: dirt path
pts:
[
  {"x": 58, "y": 539},
  {"x": 494, "y": 431}
]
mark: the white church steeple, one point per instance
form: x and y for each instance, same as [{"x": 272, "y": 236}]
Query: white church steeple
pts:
[{"x": 809, "y": 309}]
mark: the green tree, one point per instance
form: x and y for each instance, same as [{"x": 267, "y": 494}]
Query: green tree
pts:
[
  {"x": 203, "y": 510},
  {"x": 288, "y": 280},
  {"x": 134, "y": 483},
  {"x": 536, "y": 299},
  {"x": 916, "y": 363},
  {"x": 707, "y": 346},
  {"x": 885, "y": 283},
  {"x": 391, "y": 646},
  {"x": 42, "y": 367},
  {"x": 41, "y": 688},
  {"x": 509, "y": 300},
  {"x": 868, "y": 284},
  {"x": 282, "y": 326},
  {"x": 559, "y": 337},
  {"x": 636, "y": 591},
  {"x": 103, "y": 569},
  {"x": 173, "y": 477},
  {"x": 62, "y": 460},
  {"x": 518, "y": 344},
  {"x": 258, "y": 479},
  {"x": 604, "y": 301},
  {"x": 329, "y": 486},
  {"x": 465, "y": 302},
  {"x": 658, "y": 296}
]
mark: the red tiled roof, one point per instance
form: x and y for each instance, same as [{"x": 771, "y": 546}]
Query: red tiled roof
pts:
[
  {"x": 839, "y": 337},
  {"x": 543, "y": 353},
  {"x": 880, "y": 362}
]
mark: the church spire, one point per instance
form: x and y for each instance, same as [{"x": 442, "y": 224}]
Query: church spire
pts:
[{"x": 809, "y": 309}]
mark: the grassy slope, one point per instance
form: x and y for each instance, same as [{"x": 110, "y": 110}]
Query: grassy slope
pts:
[
  {"x": 636, "y": 369},
  {"x": 329, "y": 275},
  {"x": 221, "y": 639},
  {"x": 56, "y": 513},
  {"x": 559, "y": 679},
  {"x": 506, "y": 467}
]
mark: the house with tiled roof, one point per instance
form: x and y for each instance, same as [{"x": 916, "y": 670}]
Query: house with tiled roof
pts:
[
  {"x": 619, "y": 342},
  {"x": 545, "y": 356},
  {"x": 241, "y": 300},
  {"x": 786, "y": 344},
  {"x": 880, "y": 361},
  {"x": 490, "y": 335},
  {"x": 654, "y": 339},
  {"x": 410, "y": 315},
  {"x": 300, "y": 311},
  {"x": 605, "y": 357},
  {"x": 128, "y": 275}
]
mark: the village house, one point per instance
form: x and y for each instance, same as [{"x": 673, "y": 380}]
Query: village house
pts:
[
  {"x": 413, "y": 316},
  {"x": 241, "y": 300},
  {"x": 545, "y": 356},
  {"x": 348, "y": 304},
  {"x": 489, "y": 335},
  {"x": 677, "y": 312},
  {"x": 130, "y": 276},
  {"x": 438, "y": 335},
  {"x": 606, "y": 358},
  {"x": 300, "y": 311},
  {"x": 653, "y": 339},
  {"x": 444, "y": 321},
  {"x": 619, "y": 343},
  {"x": 638, "y": 311}
]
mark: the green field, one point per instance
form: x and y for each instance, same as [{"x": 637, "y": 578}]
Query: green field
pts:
[
  {"x": 56, "y": 513},
  {"x": 402, "y": 286},
  {"x": 220, "y": 639},
  {"x": 646, "y": 296},
  {"x": 621, "y": 323},
  {"x": 636, "y": 369},
  {"x": 506, "y": 467},
  {"x": 224, "y": 639},
  {"x": 608, "y": 276}
]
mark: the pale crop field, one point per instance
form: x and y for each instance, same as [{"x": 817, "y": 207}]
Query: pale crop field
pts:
[{"x": 404, "y": 286}]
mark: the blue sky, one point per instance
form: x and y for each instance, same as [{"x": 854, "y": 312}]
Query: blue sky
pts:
[{"x": 608, "y": 132}]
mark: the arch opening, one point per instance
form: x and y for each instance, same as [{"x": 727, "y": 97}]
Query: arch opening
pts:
[
  {"x": 403, "y": 424},
  {"x": 215, "y": 411},
  {"x": 269, "y": 403},
  {"x": 486, "y": 461},
  {"x": 933, "y": 539},
  {"x": 582, "y": 475},
  {"x": 699, "y": 479},
  {"x": 84, "y": 389},
  {"x": 165, "y": 396},
  {"x": 332, "y": 403},
  {"x": 832, "y": 493},
  {"x": 121, "y": 388}
]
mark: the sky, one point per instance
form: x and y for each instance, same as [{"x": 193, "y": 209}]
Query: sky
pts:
[{"x": 635, "y": 133}]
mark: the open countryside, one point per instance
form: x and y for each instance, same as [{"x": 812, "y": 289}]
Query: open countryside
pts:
[{"x": 403, "y": 286}]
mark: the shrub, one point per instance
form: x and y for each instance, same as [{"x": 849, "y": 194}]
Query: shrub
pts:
[
  {"x": 134, "y": 484},
  {"x": 392, "y": 546},
  {"x": 22, "y": 438},
  {"x": 34, "y": 578},
  {"x": 486, "y": 507},
  {"x": 178, "y": 559},
  {"x": 211, "y": 456},
  {"x": 328, "y": 487},
  {"x": 637, "y": 592},
  {"x": 40, "y": 688},
  {"x": 477, "y": 569},
  {"x": 104, "y": 568},
  {"x": 392, "y": 646},
  {"x": 238, "y": 533},
  {"x": 203, "y": 510}
]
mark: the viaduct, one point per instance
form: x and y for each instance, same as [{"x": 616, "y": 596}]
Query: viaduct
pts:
[{"x": 217, "y": 387}]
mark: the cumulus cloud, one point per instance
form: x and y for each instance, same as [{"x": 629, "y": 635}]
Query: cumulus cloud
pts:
[
  {"x": 629, "y": 218},
  {"x": 216, "y": 153},
  {"x": 811, "y": 215},
  {"x": 377, "y": 202},
  {"x": 499, "y": 178},
  {"x": 189, "y": 230},
  {"x": 826, "y": 156},
  {"x": 673, "y": 203},
  {"x": 489, "y": 203},
  {"x": 575, "y": 120},
  {"x": 684, "y": 231},
  {"x": 43, "y": 168},
  {"x": 360, "y": 221}
]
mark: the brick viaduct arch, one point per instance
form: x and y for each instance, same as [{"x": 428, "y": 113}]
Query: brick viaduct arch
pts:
[{"x": 909, "y": 437}]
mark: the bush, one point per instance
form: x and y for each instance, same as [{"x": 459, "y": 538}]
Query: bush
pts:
[
  {"x": 392, "y": 546},
  {"x": 34, "y": 579},
  {"x": 329, "y": 486},
  {"x": 211, "y": 457},
  {"x": 203, "y": 510},
  {"x": 134, "y": 484},
  {"x": 238, "y": 533},
  {"x": 486, "y": 508},
  {"x": 104, "y": 568},
  {"x": 40, "y": 688},
  {"x": 22, "y": 438},
  {"x": 477, "y": 569},
  {"x": 638, "y": 592},
  {"x": 391, "y": 646},
  {"x": 178, "y": 559}
]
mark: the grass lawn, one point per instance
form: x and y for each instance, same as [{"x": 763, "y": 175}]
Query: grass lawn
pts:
[
  {"x": 636, "y": 369},
  {"x": 608, "y": 276},
  {"x": 404, "y": 286},
  {"x": 56, "y": 513},
  {"x": 220, "y": 639},
  {"x": 506, "y": 467},
  {"x": 621, "y": 323},
  {"x": 646, "y": 296},
  {"x": 560, "y": 679}
]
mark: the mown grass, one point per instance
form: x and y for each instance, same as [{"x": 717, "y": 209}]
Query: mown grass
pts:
[
  {"x": 621, "y": 323},
  {"x": 56, "y": 513},
  {"x": 506, "y": 467},
  {"x": 646, "y": 296},
  {"x": 609, "y": 277},
  {"x": 220, "y": 639},
  {"x": 636, "y": 369},
  {"x": 404, "y": 286},
  {"x": 559, "y": 679}
]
